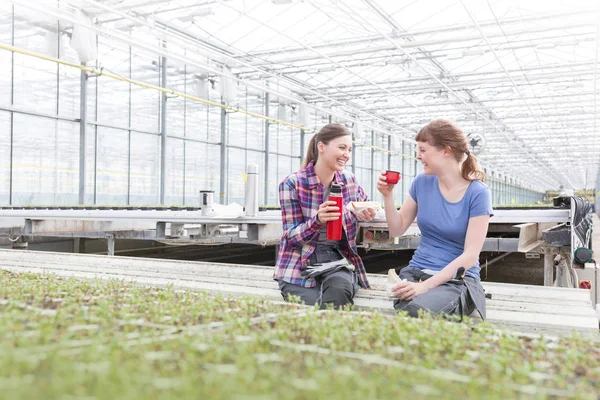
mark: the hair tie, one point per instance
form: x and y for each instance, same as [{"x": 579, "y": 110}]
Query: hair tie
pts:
[{"x": 468, "y": 153}]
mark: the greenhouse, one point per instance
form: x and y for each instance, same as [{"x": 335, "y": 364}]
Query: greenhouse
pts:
[{"x": 246, "y": 199}]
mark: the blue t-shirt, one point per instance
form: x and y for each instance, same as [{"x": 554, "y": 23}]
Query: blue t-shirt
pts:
[{"x": 444, "y": 224}]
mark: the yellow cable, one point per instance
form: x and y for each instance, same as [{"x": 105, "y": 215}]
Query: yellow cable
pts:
[{"x": 101, "y": 72}]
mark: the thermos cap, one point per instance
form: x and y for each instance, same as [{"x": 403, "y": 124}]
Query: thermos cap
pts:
[{"x": 336, "y": 188}]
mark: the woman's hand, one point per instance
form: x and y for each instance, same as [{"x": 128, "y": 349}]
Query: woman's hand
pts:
[
  {"x": 366, "y": 215},
  {"x": 408, "y": 290},
  {"x": 328, "y": 211},
  {"x": 385, "y": 188}
]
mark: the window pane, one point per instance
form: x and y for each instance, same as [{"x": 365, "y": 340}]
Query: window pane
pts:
[
  {"x": 5, "y": 56},
  {"x": 175, "y": 171},
  {"x": 145, "y": 168},
  {"x": 237, "y": 184},
  {"x": 113, "y": 95},
  {"x": 45, "y": 161},
  {"x": 202, "y": 170},
  {"x": 145, "y": 103},
  {"x": 35, "y": 79},
  {"x": 112, "y": 170}
]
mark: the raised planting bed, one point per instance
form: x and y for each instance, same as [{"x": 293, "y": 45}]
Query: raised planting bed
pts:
[{"x": 68, "y": 338}]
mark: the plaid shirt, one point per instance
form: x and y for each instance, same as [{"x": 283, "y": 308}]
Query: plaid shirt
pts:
[{"x": 300, "y": 195}]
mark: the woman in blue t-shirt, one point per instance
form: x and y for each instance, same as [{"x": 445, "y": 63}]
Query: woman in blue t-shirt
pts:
[{"x": 453, "y": 208}]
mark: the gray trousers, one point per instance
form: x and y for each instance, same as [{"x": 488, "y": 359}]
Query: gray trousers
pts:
[
  {"x": 337, "y": 289},
  {"x": 454, "y": 297}
]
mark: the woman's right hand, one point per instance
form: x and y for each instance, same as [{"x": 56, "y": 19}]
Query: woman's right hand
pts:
[
  {"x": 328, "y": 211},
  {"x": 384, "y": 188}
]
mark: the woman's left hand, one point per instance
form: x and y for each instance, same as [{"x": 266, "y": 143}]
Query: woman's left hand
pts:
[
  {"x": 366, "y": 215},
  {"x": 408, "y": 290}
]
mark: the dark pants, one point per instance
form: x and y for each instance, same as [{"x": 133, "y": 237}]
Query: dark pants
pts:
[
  {"x": 453, "y": 297},
  {"x": 337, "y": 289}
]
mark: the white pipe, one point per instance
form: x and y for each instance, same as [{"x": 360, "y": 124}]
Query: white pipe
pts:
[{"x": 251, "y": 203}]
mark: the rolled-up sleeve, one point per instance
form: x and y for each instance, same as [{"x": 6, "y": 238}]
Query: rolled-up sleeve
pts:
[{"x": 297, "y": 230}]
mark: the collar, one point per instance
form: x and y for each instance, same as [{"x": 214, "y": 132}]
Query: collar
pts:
[{"x": 313, "y": 179}]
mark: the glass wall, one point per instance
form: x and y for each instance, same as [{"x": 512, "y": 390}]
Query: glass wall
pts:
[{"x": 208, "y": 147}]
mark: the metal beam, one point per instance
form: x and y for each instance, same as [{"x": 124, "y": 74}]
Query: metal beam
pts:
[
  {"x": 224, "y": 160},
  {"x": 267, "y": 148},
  {"x": 437, "y": 30},
  {"x": 82, "y": 134},
  {"x": 163, "y": 128},
  {"x": 442, "y": 40}
]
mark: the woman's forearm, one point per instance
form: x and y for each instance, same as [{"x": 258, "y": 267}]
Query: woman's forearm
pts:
[
  {"x": 393, "y": 218},
  {"x": 447, "y": 273}
]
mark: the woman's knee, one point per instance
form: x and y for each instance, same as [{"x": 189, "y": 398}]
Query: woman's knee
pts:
[
  {"x": 338, "y": 290},
  {"x": 410, "y": 307}
]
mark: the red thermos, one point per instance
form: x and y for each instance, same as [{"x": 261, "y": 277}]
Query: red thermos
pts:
[{"x": 334, "y": 228}]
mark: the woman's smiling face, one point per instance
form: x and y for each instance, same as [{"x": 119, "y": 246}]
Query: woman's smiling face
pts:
[{"x": 336, "y": 154}]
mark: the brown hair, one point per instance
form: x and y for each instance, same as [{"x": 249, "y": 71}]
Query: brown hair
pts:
[
  {"x": 325, "y": 135},
  {"x": 445, "y": 134}
]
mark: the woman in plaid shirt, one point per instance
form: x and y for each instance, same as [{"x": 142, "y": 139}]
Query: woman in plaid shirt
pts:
[{"x": 305, "y": 213}]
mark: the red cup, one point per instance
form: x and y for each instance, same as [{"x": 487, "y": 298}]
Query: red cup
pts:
[{"x": 392, "y": 177}]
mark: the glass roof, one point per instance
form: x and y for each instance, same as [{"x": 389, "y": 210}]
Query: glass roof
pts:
[{"x": 520, "y": 73}]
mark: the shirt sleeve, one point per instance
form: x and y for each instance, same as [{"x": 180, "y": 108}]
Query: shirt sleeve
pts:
[
  {"x": 481, "y": 202},
  {"x": 412, "y": 191},
  {"x": 296, "y": 230},
  {"x": 360, "y": 192}
]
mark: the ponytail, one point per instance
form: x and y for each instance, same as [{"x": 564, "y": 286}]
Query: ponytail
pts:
[
  {"x": 311, "y": 154},
  {"x": 470, "y": 169}
]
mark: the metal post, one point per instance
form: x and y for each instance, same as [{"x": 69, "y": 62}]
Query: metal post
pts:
[
  {"x": 251, "y": 203},
  {"x": 266, "y": 198},
  {"x": 184, "y": 131},
  {"x": 12, "y": 103},
  {"x": 82, "y": 134},
  {"x": 402, "y": 194},
  {"x": 548, "y": 269},
  {"x": 129, "y": 131},
  {"x": 224, "y": 163},
  {"x": 389, "y": 146},
  {"x": 330, "y": 119},
  {"x": 163, "y": 129},
  {"x": 372, "y": 161},
  {"x": 353, "y": 158},
  {"x": 110, "y": 242},
  {"x": 302, "y": 146},
  {"x": 414, "y": 155}
]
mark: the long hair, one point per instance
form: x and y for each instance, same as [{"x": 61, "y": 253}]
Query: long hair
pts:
[
  {"x": 325, "y": 135},
  {"x": 445, "y": 134}
]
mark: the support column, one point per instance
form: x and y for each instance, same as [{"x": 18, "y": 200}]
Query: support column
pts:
[
  {"x": 12, "y": 103},
  {"x": 110, "y": 242},
  {"x": 163, "y": 128},
  {"x": 354, "y": 150},
  {"x": 302, "y": 146},
  {"x": 267, "y": 125},
  {"x": 224, "y": 163},
  {"x": 82, "y": 134},
  {"x": 78, "y": 245},
  {"x": 548, "y": 269},
  {"x": 372, "y": 161},
  {"x": 389, "y": 157}
]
